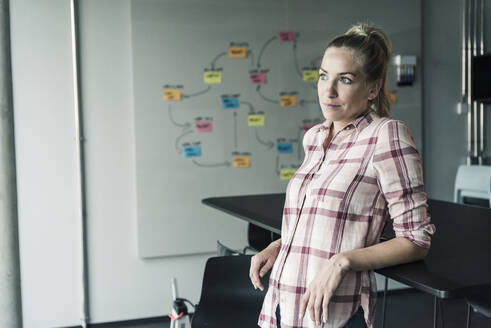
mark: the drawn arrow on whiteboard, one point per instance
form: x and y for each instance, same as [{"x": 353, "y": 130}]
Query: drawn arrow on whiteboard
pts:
[
  {"x": 295, "y": 59},
  {"x": 183, "y": 125},
  {"x": 226, "y": 163},
  {"x": 268, "y": 144},
  {"x": 262, "y": 51},
  {"x": 277, "y": 165},
  {"x": 235, "y": 130},
  {"x": 197, "y": 93},
  {"x": 315, "y": 61},
  {"x": 251, "y": 54},
  {"x": 258, "y": 89},
  {"x": 179, "y": 150},
  {"x": 213, "y": 62},
  {"x": 251, "y": 108}
]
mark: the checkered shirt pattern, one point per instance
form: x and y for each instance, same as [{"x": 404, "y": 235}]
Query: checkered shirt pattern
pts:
[{"x": 338, "y": 200}]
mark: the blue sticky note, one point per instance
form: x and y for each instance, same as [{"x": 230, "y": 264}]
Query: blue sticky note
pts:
[
  {"x": 230, "y": 102},
  {"x": 192, "y": 151},
  {"x": 285, "y": 148}
]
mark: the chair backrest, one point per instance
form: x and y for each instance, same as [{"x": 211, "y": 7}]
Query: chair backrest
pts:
[
  {"x": 228, "y": 298},
  {"x": 260, "y": 238},
  {"x": 223, "y": 250},
  {"x": 473, "y": 183}
]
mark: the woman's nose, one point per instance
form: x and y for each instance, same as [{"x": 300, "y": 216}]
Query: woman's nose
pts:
[{"x": 331, "y": 90}]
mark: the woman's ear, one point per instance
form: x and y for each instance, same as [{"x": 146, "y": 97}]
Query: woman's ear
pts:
[{"x": 374, "y": 89}]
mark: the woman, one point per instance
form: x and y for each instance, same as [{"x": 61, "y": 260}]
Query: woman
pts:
[{"x": 360, "y": 169}]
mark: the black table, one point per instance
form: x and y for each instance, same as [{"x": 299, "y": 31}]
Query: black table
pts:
[{"x": 458, "y": 261}]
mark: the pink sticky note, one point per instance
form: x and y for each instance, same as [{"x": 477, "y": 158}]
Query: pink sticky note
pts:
[
  {"x": 307, "y": 126},
  {"x": 286, "y": 36},
  {"x": 257, "y": 78},
  {"x": 204, "y": 126}
]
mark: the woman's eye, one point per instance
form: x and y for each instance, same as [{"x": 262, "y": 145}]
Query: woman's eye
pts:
[
  {"x": 346, "y": 80},
  {"x": 322, "y": 76}
]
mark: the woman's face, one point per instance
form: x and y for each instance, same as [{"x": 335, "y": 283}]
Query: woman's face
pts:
[{"x": 342, "y": 88}]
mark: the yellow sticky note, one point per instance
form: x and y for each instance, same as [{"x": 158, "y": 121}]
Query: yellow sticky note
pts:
[
  {"x": 392, "y": 98},
  {"x": 213, "y": 77},
  {"x": 237, "y": 52},
  {"x": 286, "y": 174},
  {"x": 288, "y": 101},
  {"x": 241, "y": 161},
  {"x": 310, "y": 75},
  {"x": 256, "y": 120},
  {"x": 171, "y": 94}
]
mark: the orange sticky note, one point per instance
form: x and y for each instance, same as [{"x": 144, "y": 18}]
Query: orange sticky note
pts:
[
  {"x": 171, "y": 94},
  {"x": 237, "y": 52},
  {"x": 241, "y": 161},
  {"x": 288, "y": 101},
  {"x": 392, "y": 98}
]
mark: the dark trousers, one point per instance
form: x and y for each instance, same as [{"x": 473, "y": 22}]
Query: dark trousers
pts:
[{"x": 356, "y": 321}]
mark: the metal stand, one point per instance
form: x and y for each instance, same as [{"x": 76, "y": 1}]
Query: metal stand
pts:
[{"x": 384, "y": 302}]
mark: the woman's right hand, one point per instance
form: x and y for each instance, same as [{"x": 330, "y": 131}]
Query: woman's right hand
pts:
[{"x": 262, "y": 262}]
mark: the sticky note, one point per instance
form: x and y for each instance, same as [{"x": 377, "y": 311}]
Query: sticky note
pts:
[
  {"x": 310, "y": 75},
  {"x": 392, "y": 98},
  {"x": 286, "y": 174},
  {"x": 307, "y": 126},
  {"x": 171, "y": 94},
  {"x": 288, "y": 101},
  {"x": 284, "y": 148},
  {"x": 203, "y": 126},
  {"x": 192, "y": 151},
  {"x": 241, "y": 161},
  {"x": 286, "y": 36},
  {"x": 213, "y": 77},
  {"x": 237, "y": 52},
  {"x": 257, "y": 78},
  {"x": 255, "y": 120},
  {"x": 230, "y": 102}
]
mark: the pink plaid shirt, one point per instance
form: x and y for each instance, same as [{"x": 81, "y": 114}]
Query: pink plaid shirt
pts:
[{"x": 339, "y": 200}]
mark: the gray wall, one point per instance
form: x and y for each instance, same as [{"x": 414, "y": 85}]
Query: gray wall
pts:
[{"x": 445, "y": 146}]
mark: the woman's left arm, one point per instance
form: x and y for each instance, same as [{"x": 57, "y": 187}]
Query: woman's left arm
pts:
[{"x": 391, "y": 252}]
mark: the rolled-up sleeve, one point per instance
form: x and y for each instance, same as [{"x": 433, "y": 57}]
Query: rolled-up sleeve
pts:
[{"x": 399, "y": 172}]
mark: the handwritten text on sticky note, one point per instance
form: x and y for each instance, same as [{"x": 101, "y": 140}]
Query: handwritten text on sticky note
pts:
[
  {"x": 284, "y": 148},
  {"x": 230, "y": 102},
  {"x": 237, "y": 52},
  {"x": 286, "y": 174},
  {"x": 256, "y": 120},
  {"x": 171, "y": 94},
  {"x": 286, "y": 36},
  {"x": 257, "y": 78},
  {"x": 192, "y": 151},
  {"x": 212, "y": 77},
  {"x": 203, "y": 126},
  {"x": 288, "y": 101},
  {"x": 310, "y": 75},
  {"x": 241, "y": 161}
]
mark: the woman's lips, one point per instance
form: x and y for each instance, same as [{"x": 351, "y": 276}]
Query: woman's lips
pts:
[{"x": 332, "y": 106}]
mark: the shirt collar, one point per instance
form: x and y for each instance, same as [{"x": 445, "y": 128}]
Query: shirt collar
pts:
[{"x": 359, "y": 123}]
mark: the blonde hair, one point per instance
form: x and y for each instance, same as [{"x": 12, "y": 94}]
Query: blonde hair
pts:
[{"x": 373, "y": 47}]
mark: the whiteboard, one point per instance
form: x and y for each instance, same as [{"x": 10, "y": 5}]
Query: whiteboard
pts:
[{"x": 205, "y": 123}]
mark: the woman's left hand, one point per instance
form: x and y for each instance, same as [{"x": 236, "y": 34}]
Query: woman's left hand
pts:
[{"x": 326, "y": 281}]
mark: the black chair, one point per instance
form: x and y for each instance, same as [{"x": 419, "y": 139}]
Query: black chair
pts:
[
  {"x": 479, "y": 299},
  {"x": 228, "y": 298},
  {"x": 260, "y": 238}
]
